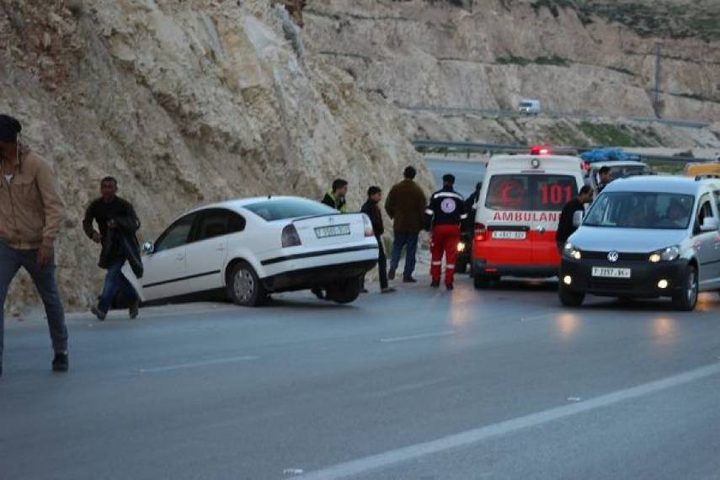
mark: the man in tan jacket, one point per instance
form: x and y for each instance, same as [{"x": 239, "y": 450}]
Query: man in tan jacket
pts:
[{"x": 30, "y": 215}]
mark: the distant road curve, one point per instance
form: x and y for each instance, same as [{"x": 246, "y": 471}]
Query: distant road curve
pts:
[{"x": 551, "y": 114}]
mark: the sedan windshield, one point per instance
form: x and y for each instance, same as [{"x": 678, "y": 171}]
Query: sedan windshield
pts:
[
  {"x": 641, "y": 210},
  {"x": 284, "y": 208}
]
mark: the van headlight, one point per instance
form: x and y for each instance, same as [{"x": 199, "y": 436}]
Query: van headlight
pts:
[
  {"x": 665, "y": 255},
  {"x": 571, "y": 252}
]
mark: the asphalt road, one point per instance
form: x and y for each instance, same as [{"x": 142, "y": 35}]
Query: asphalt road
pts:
[
  {"x": 418, "y": 385},
  {"x": 467, "y": 174}
]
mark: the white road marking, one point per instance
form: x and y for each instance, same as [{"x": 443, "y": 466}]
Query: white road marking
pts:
[
  {"x": 180, "y": 366},
  {"x": 407, "y": 387},
  {"x": 417, "y": 337},
  {"x": 477, "y": 435},
  {"x": 537, "y": 317}
]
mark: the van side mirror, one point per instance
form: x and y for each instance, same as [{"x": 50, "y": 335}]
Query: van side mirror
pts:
[
  {"x": 710, "y": 224},
  {"x": 577, "y": 218},
  {"x": 148, "y": 247}
]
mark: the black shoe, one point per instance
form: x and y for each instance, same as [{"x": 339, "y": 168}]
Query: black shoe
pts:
[
  {"x": 60, "y": 363},
  {"x": 449, "y": 286},
  {"x": 435, "y": 284},
  {"x": 409, "y": 280},
  {"x": 318, "y": 293},
  {"x": 391, "y": 274},
  {"x": 134, "y": 310},
  {"x": 364, "y": 290},
  {"x": 98, "y": 313}
]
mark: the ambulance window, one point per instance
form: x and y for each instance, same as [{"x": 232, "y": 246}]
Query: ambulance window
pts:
[{"x": 525, "y": 192}]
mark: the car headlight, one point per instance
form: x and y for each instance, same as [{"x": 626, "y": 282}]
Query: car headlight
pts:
[
  {"x": 571, "y": 252},
  {"x": 665, "y": 255}
]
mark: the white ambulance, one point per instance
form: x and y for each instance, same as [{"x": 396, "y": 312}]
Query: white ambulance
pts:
[{"x": 518, "y": 211}]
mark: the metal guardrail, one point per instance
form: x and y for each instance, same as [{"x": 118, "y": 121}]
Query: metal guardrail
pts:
[{"x": 443, "y": 146}]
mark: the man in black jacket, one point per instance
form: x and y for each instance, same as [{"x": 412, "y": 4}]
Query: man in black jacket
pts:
[
  {"x": 566, "y": 226},
  {"x": 117, "y": 224},
  {"x": 372, "y": 210}
]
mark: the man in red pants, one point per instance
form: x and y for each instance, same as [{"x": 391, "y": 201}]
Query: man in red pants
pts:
[{"x": 444, "y": 216}]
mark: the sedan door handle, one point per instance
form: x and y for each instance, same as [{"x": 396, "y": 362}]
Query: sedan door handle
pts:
[
  {"x": 220, "y": 248},
  {"x": 180, "y": 257}
]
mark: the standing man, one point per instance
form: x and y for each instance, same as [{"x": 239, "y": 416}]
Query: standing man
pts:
[
  {"x": 30, "y": 215},
  {"x": 335, "y": 198},
  {"x": 443, "y": 217},
  {"x": 604, "y": 178},
  {"x": 405, "y": 205},
  {"x": 372, "y": 210},
  {"x": 118, "y": 224},
  {"x": 566, "y": 225}
]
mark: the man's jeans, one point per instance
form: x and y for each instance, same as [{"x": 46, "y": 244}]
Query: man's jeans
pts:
[
  {"x": 10, "y": 262},
  {"x": 409, "y": 240},
  {"x": 114, "y": 281}
]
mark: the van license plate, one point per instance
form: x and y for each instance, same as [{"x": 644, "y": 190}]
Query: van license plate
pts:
[
  {"x": 508, "y": 235},
  {"x": 332, "y": 231},
  {"x": 606, "y": 272}
]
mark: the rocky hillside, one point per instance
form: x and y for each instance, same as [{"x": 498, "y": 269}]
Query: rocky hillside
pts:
[
  {"x": 577, "y": 56},
  {"x": 185, "y": 103}
]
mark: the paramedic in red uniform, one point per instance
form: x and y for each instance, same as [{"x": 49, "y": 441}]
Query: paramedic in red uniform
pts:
[{"x": 444, "y": 216}]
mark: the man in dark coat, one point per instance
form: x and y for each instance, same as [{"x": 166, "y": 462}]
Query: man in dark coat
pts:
[
  {"x": 566, "y": 225},
  {"x": 405, "y": 204},
  {"x": 372, "y": 210},
  {"x": 118, "y": 224}
]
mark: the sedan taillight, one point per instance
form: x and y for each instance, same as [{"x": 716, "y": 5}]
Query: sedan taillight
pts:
[
  {"x": 369, "y": 232},
  {"x": 290, "y": 237}
]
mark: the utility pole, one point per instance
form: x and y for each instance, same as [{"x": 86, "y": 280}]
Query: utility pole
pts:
[{"x": 657, "y": 105}]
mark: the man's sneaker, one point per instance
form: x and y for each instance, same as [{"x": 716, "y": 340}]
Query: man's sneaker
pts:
[
  {"x": 391, "y": 274},
  {"x": 435, "y": 283},
  {"x": 449, "y": 286},
  {"x": 409, "y": 280},
  {"x": 387, "y": 290},
  {"x": 134, "y": 310},
  {"x": 98, "y": 313},
  {"x": 60, "y": 363}
]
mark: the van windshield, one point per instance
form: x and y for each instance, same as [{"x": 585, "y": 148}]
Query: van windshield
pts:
[
  {"x": 530, "y": 192},
  {"x": 648, "y": 210}
]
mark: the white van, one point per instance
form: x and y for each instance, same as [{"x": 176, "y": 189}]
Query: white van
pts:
[
  {"x": 518, "y": 213},
  {"x": 529, "y": 106}
]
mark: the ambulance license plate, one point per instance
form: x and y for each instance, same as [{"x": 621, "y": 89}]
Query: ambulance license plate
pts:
[
  {"x": 606, "y": 272},
  {"x": 509, "y": 235},
  {"x": 332, "y": 231}
]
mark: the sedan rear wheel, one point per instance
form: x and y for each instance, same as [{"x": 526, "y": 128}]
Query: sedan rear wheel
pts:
[
  {"x": 244, "y": 287},
  {"x": 344, "y": 291}
]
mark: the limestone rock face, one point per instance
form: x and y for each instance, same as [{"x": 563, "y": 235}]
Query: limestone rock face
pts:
[
  {"x": 595, "y": 56},
  {"x": 185, "y": 103}
]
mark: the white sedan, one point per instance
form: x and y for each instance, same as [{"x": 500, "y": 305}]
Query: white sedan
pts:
[{"x": 253, "y": 247}]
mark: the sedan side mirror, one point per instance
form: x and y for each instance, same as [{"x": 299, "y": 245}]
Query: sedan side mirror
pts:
[
  {"x": 577, "y": 218},
  {"x": 148, "y": 247},
  {"x": 710, "y": 224}
]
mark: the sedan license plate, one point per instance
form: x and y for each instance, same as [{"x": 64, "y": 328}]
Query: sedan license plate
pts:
[
  {"x": 332, "y": 231},
  {"x": 508, "y": 235},
  {"x": 606, "y": 272}
]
